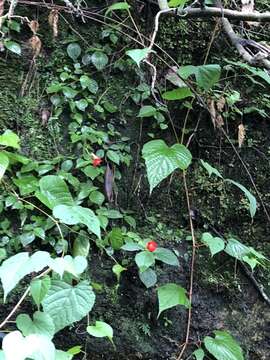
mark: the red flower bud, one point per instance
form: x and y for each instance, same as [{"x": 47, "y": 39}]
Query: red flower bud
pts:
[
  {"x": 96, "y": 161},
  {"x": 151, "y": 246}
]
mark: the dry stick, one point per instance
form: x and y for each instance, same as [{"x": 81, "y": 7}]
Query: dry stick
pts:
[{"x": 191, "y": 268}]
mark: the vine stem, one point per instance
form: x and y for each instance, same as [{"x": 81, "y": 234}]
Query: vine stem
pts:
[
  {"x": 191, "y": 269},
  {"x": 13, "y": 311}
]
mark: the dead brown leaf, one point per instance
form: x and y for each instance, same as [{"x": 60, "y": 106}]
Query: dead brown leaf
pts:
[
  {"x": 53, "y": 21},
  {"x": 35, "y": 44},
  {"x": 241, "y": 134},
  {"x": 221, "y": 103},
  {"x": 212, "y": 110},
  {"x": 2, "y": 2},
  {"x": 34, "y": 26}
]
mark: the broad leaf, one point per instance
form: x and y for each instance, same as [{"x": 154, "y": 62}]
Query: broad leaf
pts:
[
  {"x": 148, "y": 277},
  {"x": 116, "y": 238},
  {"x": 16, "y": 267},
  {"x": 147, "y": 111},
  {"x": 166, "y": 256},
  {"x": 54, "y": 191},
  {"x": 100, "y": 329},
  {"x": 210, "y": 169},
  {"x": 162, "y": 160},
  {"x": 73, "y": 215},
  {"x": 177, "y": 94},
  {"x": 144, "y": 260},
  {"x": 199, "y": 354},
  {"x": 67, "y": 304},
  {"x": 215, "y": 244},
  {"x": 34, "y": 346},
  {"x": 74, "y": 266},
  {"x": 9, "y": 138},
  {"x": 4, "y": 162},
  {"x": 171, "y": 295},
  {"x": 138, "y": 55},
  {"x": 99, "y": 60},
  {"x": 117, "y": 270},
  {"x": 27, "y": 184},
  {"x": 206, "y": 75},
  {"x": 74, "y": 51},
  {"x": 223, "y": 346},
  {"x": 251, "y": 198},
  {"x": 176, "y": 3},
  {"x": 118, "y": 6},
  {"x": 41, "y": 324}
]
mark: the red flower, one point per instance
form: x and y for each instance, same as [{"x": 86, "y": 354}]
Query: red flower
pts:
[
  {"x": 96, "y": 161},
  {"x": 151, "y": 246}
]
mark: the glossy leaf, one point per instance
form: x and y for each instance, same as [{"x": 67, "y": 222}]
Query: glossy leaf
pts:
[
  {"x": 39, "y": 288},
  {"x": 100, "y": 329},
  {"x": 10, "y": 139},
  {"x": 148, "y": 277},
  {"x": 166, "y": 256},
  {"x": 74, "y": 51},
  {"x": 99, "y": 60},
  {"x": 117, "y": 6},
  {"x": 4, "y": 162},
  {"x": 138, "y": 55},
  {"x": 13, "y": 47},
  {"x": 215, "y": 244},
  {"x": 177, "y": 94},
  {"x": 199, "y": 354},
  {"x": 144, "y": 260},
  {"x": 41, "y": 324},
  {"x": 147, "y": 111}
]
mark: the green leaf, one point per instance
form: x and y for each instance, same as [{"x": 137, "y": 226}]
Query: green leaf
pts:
[
  {"x": 144, "y": 260},
  {"x": 176, "y": 3},
  {"x": 210, "y": 169},
  {"x": 215, "y": 244},
  {"x": 74, "y": 51},
  {"x": 116, "y": 238},
  {"x": 69, "y": 92},
  {"x": 100, "y": 329},
  {"x": 208, "y": 75},
  {"x": 73, "y": 215},
  {"x": 9, "y": 138},
  {"x": 67, "y": 304},
  {"x": 117, "y": 270},
  {"x": 148, "y": 277},
  {"x": 177, "y": 94},
  {"x": 81, "y": 104},
  {"x": 113, "y": 156},
  {"x": 118, "y": 6},
  {"x": 4, "y": 162},
  {"x": 62, "y": 355},
  {"x": 26, "y": 184},
  {"x": 16, "y": 267},
  {"x": 54, "y": 191},
  {"x": 39, "y": 288},
  {"x": 99, "y": 60},
  {"x": 199, "y": 354},
  {"x": 131, "y": 246},
  {"x": 13, "y": 47},
  {"x": 251, "y": 198},
  {"x": 138, "y": 55},
  {"x": 162, "y": 160},
  {"x": 166, "y": 256},
  {"x": 223, "y": 346},
  {"x": 185, "y": 71},
  {"x": 171, "y": 295},
  {"x": 81, "y": 246},
  {"x": 147, "y": 111},
  {"x": 41, "y": 324},
  {"x": 34, "y": 346},
  {"x": 85, "y": 81}
]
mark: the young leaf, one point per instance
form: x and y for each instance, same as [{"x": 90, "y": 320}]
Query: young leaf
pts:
[
  {"x": 73, "y": 215},
  {"x": 41, "y": 324},
  {"x": 100, "y": 329},
  {"x": 138, "y": 55},
  {"x": 9, "y": 138},
  {"x": 215, "y": 244},
  {"x": 117, "y": 270},
  {"x": 251, "y": 198},
  {"x": 208, "y": 75},
  {"x": 116, "y": 238},
  {"x": 4, "y": 162},
  {"x": 199, "y": 354},
  {"x": 166, "y": 256},
  {"x": 177, "y": 94},
  {"x": 118, "y": 6},
  {"x": 74, "y": 51},
  {"x": 99, "y": 60},
  {"x": 210, "y": 169},
  {"x": 81, "y": 246},
  {"x": 176, "y": 3},
  {"x": 162, "y": 160},
  {"x": 67, "y": 304},
  {"x": 223, "y": 346},
  {"x": 171, "y": 295}
]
